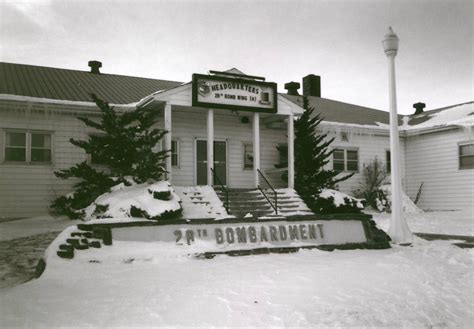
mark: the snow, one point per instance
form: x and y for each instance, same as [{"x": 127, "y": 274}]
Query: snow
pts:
[
  {"x": 200, "y": 202},
  {"x": 461, "y": 115},
  {"x": 121, "y": 198},
  {"x": 155, "y": 284},
  {"x": 408, "y": 206},
  {"x": 339, "y": 197},
  {"x": 9, "y": 97},
  {"x": 290, "y": 194}
]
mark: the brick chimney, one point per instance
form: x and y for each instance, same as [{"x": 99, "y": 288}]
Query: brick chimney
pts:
[
  {"x": 419, "y": 107},
  {"x": 292, "y": 88},
  {"x": 312, "y": 85},
  {"x": 95, "y": 66}
]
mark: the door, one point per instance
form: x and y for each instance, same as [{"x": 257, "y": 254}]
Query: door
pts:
[{"x": 220, "y": 161}]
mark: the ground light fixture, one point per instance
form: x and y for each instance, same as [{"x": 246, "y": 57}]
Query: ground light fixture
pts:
[{"x": 399, "y": 230}]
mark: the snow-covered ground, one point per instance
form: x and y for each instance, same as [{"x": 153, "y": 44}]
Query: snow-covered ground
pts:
[{"x": 430, "y": 284}]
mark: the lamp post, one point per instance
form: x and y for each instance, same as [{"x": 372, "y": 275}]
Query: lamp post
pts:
[{"x": 398, "y": 231}]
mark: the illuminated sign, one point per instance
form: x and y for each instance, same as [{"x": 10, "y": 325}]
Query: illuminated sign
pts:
[{"x": 234, "y": 93}]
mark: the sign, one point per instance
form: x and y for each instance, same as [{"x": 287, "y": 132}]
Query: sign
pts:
[
  {"x": 224, "y": 237},
  {"x": 234, "y": 93}
]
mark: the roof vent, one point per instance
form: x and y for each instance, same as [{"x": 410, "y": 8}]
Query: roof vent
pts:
[
  {"x": 292, "y": 88},
  {"x": 95, "y": 66},
  {"x": 419, "y": 107}
]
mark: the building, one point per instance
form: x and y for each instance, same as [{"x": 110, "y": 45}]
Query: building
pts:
[{"x": 237, "y": 136}]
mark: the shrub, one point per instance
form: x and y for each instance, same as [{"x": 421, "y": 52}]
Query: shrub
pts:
[
  {"x": 331, "y": 201},
  {"x": 370, "y": 188}
]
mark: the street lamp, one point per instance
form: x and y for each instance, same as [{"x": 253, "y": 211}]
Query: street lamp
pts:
[{"x": 398, "y": 231}]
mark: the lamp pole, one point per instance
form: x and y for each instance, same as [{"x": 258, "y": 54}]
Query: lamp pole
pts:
[{"x": 398, "y": 231}]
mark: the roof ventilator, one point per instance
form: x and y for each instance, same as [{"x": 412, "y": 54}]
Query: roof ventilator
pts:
[{"x": 95, "y": 66}]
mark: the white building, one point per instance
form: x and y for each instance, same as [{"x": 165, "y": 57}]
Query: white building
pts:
[{"x": 39, "y": 106}]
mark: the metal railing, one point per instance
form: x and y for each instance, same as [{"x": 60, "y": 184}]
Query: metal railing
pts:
[
  {"x": 224, "y": 189},
  {"x": 264, "y": 191}
]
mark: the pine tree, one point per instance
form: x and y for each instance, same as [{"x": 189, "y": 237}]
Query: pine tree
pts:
[
  {"x": 123, "y": 145},
  {"x": 312, "y": 153}
]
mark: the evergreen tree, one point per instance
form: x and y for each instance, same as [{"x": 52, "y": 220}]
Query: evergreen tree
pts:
[
  {"x": 311, "y": 155},
  {"x": 123, "y": 145}
]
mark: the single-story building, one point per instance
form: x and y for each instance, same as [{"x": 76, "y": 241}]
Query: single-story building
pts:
[{"x": 225, "y": 124}]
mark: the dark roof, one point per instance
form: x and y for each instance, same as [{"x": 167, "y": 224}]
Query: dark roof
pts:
[
  {"x": 334, "y": 111},
  {"x": 426, "y": 115},
  {"x": 72, "y": 85}
]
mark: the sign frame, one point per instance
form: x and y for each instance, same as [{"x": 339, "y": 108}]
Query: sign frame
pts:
[{"x": 197, "y": 103}]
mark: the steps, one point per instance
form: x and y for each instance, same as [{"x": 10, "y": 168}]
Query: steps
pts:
[
  {"x": 246, "y": 201},
  {"x": 251, "y": 201},
  {"x": 290, "y": 203},
  {"x": 200, "y": 202}
]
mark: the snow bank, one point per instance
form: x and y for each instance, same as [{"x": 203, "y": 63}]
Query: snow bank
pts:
[
  {"x": 408, "y": 205},
  {"x": 154, "y": 199}
]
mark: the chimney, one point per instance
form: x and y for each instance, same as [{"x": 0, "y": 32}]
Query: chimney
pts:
[
  {"x": 292, "y": 88},
  {"x": 419, "y": 107},
  {"x": 312, "y": 85},
  {"x": 95, "y": 66}
]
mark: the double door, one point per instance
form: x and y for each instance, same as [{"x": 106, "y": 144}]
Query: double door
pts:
[{"x": 220, "y": 161}]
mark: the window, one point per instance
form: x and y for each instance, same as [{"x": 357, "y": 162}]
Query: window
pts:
[
  {"x": 29, "y": 147},
  {"x": 466, "y": 156},
  {"x": 174, "y": 153},
  {"x": 248, "y": 156},
  {"x": 345, "y": 160},
  {"x": 388, "y": 161},
  {"x": 344, "y": 136},
  {"x": 282, "y": 156}
]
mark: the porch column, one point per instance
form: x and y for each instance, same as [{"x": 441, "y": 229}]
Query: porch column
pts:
[
  {"x": 291, "y": 152},
  {"x": 168, "y": 140},
  {"x": 256, "y": 147},
  {"x": 210, "y": 146}
]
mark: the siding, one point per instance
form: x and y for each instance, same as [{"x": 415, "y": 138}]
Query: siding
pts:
[
  {"x": 432, "y": 159},
  {"x": 369, "y": 146},
  {"x": 27, "y": 189}
]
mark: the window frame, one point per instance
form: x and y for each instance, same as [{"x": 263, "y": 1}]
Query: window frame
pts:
[
  {"x": 244, "y": 146},
  {"x": 345, "y": 159},
  {"x": 178, "y": 158},
  {"x": 28, "y": 146},
  {"x": 461, "y": 144}
]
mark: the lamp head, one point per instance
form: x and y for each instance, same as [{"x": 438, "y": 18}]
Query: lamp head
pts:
[{"x": 390, "y": 43}]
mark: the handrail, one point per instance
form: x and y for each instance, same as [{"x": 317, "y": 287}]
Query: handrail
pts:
[
  {"x": 223, "y": 188},
  {"x": 275, "y": 204}
]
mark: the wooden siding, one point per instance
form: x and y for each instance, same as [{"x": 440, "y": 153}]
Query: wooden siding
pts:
[
  {"x": 369, "y": 145},
  {"x": 28, "y": 189},
  {"x": 432, "y": 159}
]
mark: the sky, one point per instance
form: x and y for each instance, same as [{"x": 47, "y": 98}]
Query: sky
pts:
[{"x": 283, "y": 41}]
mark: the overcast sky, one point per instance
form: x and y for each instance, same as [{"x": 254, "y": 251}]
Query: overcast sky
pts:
[{"x": 280, "y": 40}]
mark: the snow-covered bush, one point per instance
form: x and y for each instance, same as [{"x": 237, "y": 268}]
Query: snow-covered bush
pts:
[
  {"x": 408, "y": 206},
  {"x": 331, "y": 201},
  {"x": 123, "y": 146},
  {"x": 152, "y": 201}
]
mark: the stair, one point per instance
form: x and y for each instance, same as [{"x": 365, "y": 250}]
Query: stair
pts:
[
  {"x": 200, "y": 202},
  {"x": 290, "y": 203},
  {"x": 243, "y": 202}
]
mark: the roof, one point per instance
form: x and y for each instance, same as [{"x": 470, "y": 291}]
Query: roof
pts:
[
  {"x": 427, "y": 115},
  {"x": 339, "y": 112},
  {"x": 73, "y": 85},
  {"x": 454, "y": 115}
]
